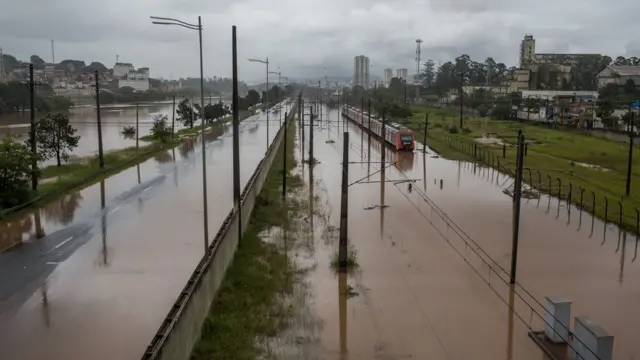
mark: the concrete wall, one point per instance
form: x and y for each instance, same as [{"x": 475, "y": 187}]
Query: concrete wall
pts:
[{"x": 181, "y": 328}]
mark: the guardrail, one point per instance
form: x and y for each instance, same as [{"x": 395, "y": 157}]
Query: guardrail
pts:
[{"x": 180, "y": 329}]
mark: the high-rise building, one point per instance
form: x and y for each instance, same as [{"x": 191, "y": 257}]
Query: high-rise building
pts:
[
  {"x": 402, "y": 73},
  {"x": 388, "y": 74},
  {"x": 527, "y": 51},
  {"x": 361, "y": 71}
]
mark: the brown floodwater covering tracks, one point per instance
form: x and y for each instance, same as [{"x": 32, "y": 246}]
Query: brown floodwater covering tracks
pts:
[{"x": 410, "y": 282}]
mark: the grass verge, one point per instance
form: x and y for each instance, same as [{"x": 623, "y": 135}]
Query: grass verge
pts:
[
  {"x": 575, "y": 166},
  {"x": 247, "y": 306}
]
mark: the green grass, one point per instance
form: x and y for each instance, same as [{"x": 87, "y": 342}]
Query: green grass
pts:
[
  {"x": 555, "y": 153},
  {"x": 352, "y": 259},
  {"x": 248, "y": 303},
  {"x": 196, "y": 129}
]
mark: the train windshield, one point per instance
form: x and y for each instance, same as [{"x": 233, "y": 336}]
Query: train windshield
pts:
[{"x": 406, "y": 139}]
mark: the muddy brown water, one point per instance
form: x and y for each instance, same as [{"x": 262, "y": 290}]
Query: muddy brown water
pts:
[
  {"x": 423, "y": 290},
  {"x": 93, "y": 278},
  {"x": 113, "y": 118}
]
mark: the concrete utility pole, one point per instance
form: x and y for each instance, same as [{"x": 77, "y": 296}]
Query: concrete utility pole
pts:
[
  {"x": 32, "y": 132},
  {"x": 461, "y": 96},
  {"x": 517, "y": 194},
  {"x": 426, "y": 124},
  {"x": 173, "y": 118},
  {"x": 284, "y": 160},
  {"x": 344, "y": 205},
  {"x": 311, "y": 136},
  {"x": 137, "y": 129},
  {"x": 630, "y": 157},
  {"x": 100, "y": 152},
  {"x": 236, "y": 132}
]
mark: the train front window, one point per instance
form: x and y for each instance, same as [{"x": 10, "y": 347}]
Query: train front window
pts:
[{"x": 406, "y": 139}]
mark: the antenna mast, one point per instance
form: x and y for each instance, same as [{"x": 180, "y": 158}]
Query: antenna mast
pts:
[
  {"x": 418, "y": 43},
  {"x": 53, "y": 53}
]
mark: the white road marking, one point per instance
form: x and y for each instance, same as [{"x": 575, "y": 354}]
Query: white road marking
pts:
[
  {"x": 114, "y": 210},
  {"x": 62, "y": 243}
]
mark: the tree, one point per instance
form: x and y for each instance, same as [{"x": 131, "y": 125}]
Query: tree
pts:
[
  {"x": 429, "y": 74},
  {"x": 55, "y": 137},
  {"x": 160, "y": 130},
  {"x": 253, "y": 97},
  {"x": 126, "y": 90},
  {"x": 37, "y": 62},
  {"x": 15, "y": 172},
  {"x": 216, "y": 111},
  {"x": 185, "y": 113}
]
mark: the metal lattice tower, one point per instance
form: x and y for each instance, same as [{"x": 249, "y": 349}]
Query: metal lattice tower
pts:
[{"x": 418, "y": 43}]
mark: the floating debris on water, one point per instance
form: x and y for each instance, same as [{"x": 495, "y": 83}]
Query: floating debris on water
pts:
[{"x": 376, "y": 206}]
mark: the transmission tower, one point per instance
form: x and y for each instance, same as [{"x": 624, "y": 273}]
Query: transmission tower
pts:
[{"x": 418, "y": 43}]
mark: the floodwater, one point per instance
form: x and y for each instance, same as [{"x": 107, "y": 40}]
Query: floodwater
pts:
[
  {"x": 93, "y": 275},
  {"x": 113, "y": 118},
  {"x": 430, "y": 282}
]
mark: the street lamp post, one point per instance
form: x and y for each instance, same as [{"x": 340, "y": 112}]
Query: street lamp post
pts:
[
  {"x": 266, "y": 100},
  {"x": 280, "y": 86},
  {"x": 169, "y": 21}
]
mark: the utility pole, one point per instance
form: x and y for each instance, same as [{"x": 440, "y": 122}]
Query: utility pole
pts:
[
  {"x": 517, "y": 194},
  {"x": 32, "y": 132},
  {"x": 426, "y": 124},
  {"x": 311, "y": 136},
  {"x": 284, "y": 159},
  {"x": 369, "y": 127},
  {"x": 173, "y": 119},
  {"x": 344, "y": 204},
  {"x": 100, "y": 152},
  {"x": 382, "y": 145},
  {"x": 630, "y": 157},
  {"x": 236, "y": 132},
  {"x": 461, "y": 96},
  {"x": 137, "y": 129}
]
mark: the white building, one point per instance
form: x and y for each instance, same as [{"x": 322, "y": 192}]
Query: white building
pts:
[
  {"x": 402, "y": 74},
  {"x": 120, "y": 70},
  {"x": 361, "y": 71},
  {"x": 136, "y": 79},
  {"x": 619, "y": 75},
  {"x": 388, "y": 74}
]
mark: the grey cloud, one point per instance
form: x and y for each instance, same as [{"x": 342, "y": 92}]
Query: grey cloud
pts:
[{"x": 304, "y": 37}]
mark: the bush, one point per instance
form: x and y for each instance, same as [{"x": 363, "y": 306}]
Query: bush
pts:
[
  {"x": 15, "y": 172},
  {"x": 453, "y": 129},
  {"x": 160, "y": 131}
]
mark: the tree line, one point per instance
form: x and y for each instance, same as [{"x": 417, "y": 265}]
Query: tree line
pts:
[
  {"x": 15, "y": 97},
  {"x": 463, "y": 70}
]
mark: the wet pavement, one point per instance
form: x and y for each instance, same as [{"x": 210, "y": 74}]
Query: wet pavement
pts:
[
  {"x": 430, "y": 282},
  {"x": 93, "y": 274}
]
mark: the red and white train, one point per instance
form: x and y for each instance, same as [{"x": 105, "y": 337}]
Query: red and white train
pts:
[{"x": 398, "y": 136}]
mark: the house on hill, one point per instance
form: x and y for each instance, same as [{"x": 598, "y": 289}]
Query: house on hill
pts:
[{"x": 619, "y": 75}]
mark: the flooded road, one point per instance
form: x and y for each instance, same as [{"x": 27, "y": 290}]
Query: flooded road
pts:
[
  {"x": 113, "y": 118},
  {"x": 94, "y": 274},
  {"x": 427, "y": 285}
]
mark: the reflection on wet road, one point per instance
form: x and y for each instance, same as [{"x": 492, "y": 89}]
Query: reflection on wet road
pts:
[
  {"x": 426, "y": 290},
  {"x": 104, "y": 265}
]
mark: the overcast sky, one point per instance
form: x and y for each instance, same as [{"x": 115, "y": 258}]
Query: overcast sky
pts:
[{"x": 304, "y": 37}]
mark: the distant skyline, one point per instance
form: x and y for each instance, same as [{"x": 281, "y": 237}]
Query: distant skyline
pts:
[{"x": 304, "y": 38}]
